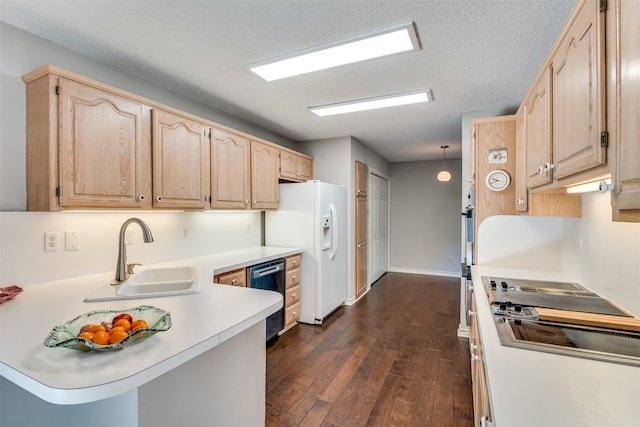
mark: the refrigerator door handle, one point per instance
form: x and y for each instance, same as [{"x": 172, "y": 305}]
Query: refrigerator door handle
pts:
[{"x": 334, "y": 231}]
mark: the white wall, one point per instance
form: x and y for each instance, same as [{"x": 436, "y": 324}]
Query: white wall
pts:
[{"x": 425, "y": 218}]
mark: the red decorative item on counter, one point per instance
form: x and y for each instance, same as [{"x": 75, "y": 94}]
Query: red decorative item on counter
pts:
[{"x": 9, "y": 292}]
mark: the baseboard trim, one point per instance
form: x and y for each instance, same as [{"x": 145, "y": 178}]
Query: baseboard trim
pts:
[{"x": 425, "y": 272}]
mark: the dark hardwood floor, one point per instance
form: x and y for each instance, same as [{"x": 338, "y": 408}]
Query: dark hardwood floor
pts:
[{"x": 392, "y": 359}]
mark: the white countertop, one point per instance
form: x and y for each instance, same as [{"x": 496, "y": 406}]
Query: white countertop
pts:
[
  {"x": 200, "y": 322},
  {"x": 532, "y": 388}
]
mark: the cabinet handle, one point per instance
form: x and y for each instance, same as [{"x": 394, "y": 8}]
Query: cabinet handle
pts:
[
  {"x": 541, "y": 170},
  {"x": 295, "y": 295},
  {"x": 255, "y": 202},
  {"x": 550, "y": 166},
  {"x": 474, "y": 358},
  {"x": 295, "y": 313},
  {"x": 141, "y": 197},
  {"x": 471, "y": 313},
  {"x": 520, "y": 201},
  {"x": 295, "y": 261},
  {"x": 295, "y": 277},
  {"x": 247, "y": 202},
  {"x": 159, "y": 198},
  {"x": 473, "y": 347},
  {"x": 234, "y": 281}
]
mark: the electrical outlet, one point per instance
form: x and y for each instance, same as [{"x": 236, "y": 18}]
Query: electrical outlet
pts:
[
  {"x": 71, "y": 240},
  {"x": 51, "y": 241}
]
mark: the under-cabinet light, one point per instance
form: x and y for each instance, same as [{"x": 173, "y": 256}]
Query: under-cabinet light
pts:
[
  {"x": 602, "y": 186},
  {"x": 373, "y": 103},
  {"x": 347, "y": 51}
]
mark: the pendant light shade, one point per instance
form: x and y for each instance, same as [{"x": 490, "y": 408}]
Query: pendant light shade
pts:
[{"x": 444, "y": 175}]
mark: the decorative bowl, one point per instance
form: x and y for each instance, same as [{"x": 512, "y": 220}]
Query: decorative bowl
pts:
[{"x": 66, "y": 335}]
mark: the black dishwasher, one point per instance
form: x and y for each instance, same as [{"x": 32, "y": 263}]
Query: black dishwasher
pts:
[{"x": 270, "y": 276}]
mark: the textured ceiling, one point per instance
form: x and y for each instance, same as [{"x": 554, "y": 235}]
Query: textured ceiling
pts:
[{"x": 476, "y": 55}]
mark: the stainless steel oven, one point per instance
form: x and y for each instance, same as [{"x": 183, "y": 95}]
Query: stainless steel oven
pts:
[{"x": 270, "y": 276}]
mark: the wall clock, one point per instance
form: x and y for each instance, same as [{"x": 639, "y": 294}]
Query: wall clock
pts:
[{"x": 498, "y": 180}]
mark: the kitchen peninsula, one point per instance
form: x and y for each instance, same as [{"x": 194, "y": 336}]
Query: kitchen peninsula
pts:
[{"x": 208, "y": 368}]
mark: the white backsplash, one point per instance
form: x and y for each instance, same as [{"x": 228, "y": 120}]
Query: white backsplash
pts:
[
  {"x": 23, "y": 260},
  {"x": 592, "y": 250}
]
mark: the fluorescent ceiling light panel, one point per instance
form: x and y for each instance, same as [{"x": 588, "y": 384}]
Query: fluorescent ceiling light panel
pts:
[
  {"x": 375, "y": 45},
  {"x": 373, "y": 103}
]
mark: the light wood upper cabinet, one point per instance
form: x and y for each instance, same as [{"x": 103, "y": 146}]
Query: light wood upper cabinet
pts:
[
  {"x": 537, "y": 132},
  {"x": 521, "y": 159},
  {"x": 623, "y": 48},
  {"x": 85, "y": 144},
  {"x": 578, "y": 78},
  {"x": 295, "y": 167},
  {"x": 265, "y": 162},
  {"x": 180, "y": 162},
  {"x": 230, "y": 171},
  {"x": 90, "y": 145}
]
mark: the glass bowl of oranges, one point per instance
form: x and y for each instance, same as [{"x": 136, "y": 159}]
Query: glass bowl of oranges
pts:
[{"x": 108, "y": 330}]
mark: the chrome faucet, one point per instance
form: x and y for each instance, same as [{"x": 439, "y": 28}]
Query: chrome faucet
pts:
[{"x": 121, "y": 267}]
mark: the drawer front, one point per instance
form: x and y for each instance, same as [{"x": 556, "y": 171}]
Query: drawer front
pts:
[
  {"x": 235, "y": 278},
  {"x": 292, "y": 313},
  {"x": 293, "y": 262},
  {"x": 293, "y": 277},
  {"x": 292, "y": 295}
]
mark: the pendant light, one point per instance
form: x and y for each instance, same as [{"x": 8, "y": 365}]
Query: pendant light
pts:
[{"x": 444, "y": 175}]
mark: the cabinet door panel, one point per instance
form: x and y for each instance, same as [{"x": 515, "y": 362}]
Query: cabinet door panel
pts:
[
  {"x": 362, "y": 175},
  {"x": 102, "y": 151},
  {"x": 230, "y": 171},
  {"x": 538, "y": 132},
  {"x": 265, "y": 161},
  {"x": 288, "y": 165},
  {"x": 180, "y": 162},
  {"x": 626, "y": 168},
  {"x": 578, "y": 94}
]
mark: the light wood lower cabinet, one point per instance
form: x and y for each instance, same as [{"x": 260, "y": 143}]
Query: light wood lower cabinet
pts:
[
  {"x": 292, "y": 291},
  {"x": 481, "y": 401},
  {"x": 235, "y": 278}
]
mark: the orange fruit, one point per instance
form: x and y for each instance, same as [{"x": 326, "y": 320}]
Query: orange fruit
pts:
[
  {"x": 124, "y": 323},
  {"x": 97, "y": 328},
  {"x": 138, "y": 324},
  {"x": 117, "y": 337},
  {"x": 116, "y": 329},
  {"x": 87, "y": 335},
  {"x": 101, "y": 338}
]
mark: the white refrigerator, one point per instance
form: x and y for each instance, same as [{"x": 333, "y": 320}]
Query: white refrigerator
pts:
[{"x": 312, "y": 216}]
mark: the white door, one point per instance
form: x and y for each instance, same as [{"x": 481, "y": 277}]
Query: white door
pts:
[{"x": 379, "y": 226}]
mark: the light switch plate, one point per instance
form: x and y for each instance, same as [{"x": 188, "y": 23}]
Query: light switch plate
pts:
[{"x": 71, "y": 240}]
